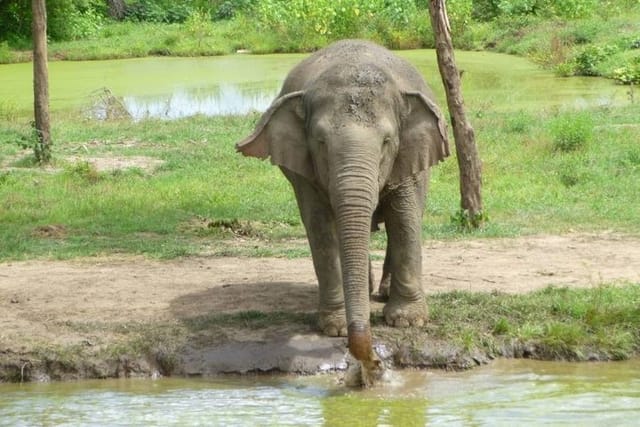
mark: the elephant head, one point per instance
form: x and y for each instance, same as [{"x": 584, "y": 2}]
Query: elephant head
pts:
[{"x": 353, "y": 129}]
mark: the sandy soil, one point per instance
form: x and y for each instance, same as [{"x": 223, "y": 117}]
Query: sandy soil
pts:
[{"x": 40, "y": 299}]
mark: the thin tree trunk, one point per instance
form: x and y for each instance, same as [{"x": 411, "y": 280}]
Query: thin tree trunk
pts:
[
  {"x": 41, "y": 82},
  {"x": 467, "y": 152}
]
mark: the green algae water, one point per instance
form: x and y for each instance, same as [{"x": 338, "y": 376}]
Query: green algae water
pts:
[
  {"x": 505, "y": 392},
  {"x": 170, "y": 88}
]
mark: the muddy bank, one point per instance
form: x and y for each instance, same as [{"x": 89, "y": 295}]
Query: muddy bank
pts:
[
  {"x": 118, "y": 317},
  {"x": 301, "y": 355}
]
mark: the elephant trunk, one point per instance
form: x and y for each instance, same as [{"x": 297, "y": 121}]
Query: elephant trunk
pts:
[{"x": 356, "y": 195}]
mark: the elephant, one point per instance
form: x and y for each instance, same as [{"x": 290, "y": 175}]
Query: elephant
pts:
[{"x": 355, "y": 130}]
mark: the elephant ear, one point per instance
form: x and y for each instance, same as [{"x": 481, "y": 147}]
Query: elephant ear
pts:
[
  {"x": 280, "y": 135},
  {"x": 423, "y": 137}
]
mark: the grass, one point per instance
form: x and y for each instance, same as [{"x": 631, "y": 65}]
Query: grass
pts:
[
  {"x": 205, "y": 198},
  {"x": 134, "y": 212},
  {"x": 553, "y": 323}
]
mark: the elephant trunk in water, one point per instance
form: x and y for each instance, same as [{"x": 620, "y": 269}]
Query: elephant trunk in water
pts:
[{"x": 355, "y": 197}]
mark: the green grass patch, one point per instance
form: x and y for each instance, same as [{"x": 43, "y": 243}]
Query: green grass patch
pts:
[
  {"x": 553, "y": 323},
  {"x": 205, "y": 198}
]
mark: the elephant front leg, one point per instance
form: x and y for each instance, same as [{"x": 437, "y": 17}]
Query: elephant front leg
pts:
[
  {"x": 319, "y": 223},
  {"x": 403, "y": 217}
]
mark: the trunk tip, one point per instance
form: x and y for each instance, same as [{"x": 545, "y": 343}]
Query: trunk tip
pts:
[{"x": 360, "y": 341}]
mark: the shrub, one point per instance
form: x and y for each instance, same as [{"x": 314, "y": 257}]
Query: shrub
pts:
[
  {"x": 628, "y": 74},
  {"x": 588, "y": 59},
  {"x": 571, "y": 131}
]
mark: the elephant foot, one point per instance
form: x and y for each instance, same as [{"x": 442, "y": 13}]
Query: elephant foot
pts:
[
  {"x": 333, "y": 323},
  {"x": 404, "y": 314}
]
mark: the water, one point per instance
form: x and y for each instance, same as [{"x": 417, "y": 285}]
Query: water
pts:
[
  {"x": 506, "y": 392},
  {"x": 171, "y": 88}
]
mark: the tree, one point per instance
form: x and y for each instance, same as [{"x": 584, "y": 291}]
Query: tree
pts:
[
  {"x": 467, "y": 152},
  {"x": 41, "y": 82}
]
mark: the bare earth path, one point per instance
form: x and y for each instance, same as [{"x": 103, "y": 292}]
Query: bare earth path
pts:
[{"x": 41, "y": 301}]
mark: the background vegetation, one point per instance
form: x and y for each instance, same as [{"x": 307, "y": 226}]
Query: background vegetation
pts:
[{"x": 573, "y": 37}]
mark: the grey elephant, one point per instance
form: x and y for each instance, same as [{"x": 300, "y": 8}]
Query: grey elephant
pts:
[{"x": 355, "y": 131}]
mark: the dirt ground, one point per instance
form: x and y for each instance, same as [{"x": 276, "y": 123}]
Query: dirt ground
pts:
[{"x": 43, "y": 302}]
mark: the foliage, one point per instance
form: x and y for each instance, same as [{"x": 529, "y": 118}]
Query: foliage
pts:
[
  {"x": 596, "y": 44},
  {"x": 571, "y": 131},
  {"x": 460, "y": 13},
  {"x": 74, "y": 19},
  {"x": 66, "y": 19},
  {"x": 313, "y": 24},
  {"x": 588, "y": 59},
  {"x": 628, "y": 74},
  {"x": 15, "y": 20}
]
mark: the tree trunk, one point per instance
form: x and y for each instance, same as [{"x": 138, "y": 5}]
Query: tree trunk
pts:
[
  {"x": 41, "y": 82},
  {"x": 467, "y": 152}
]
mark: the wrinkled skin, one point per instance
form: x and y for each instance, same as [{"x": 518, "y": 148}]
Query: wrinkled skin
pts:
[{"x": 355, "y": 130}]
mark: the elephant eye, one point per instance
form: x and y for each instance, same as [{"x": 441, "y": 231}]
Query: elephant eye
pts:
[{"x": 386, "y": 140}]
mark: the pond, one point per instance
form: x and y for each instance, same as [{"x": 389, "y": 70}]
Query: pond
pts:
[
  {"x": 171, "y": 88},
  {"x": 505, "y": 392}
]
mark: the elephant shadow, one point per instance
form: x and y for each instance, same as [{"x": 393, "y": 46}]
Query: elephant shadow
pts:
[
  {"x": 255, "y": 327},
  {"x": 232, "y": 298}
]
